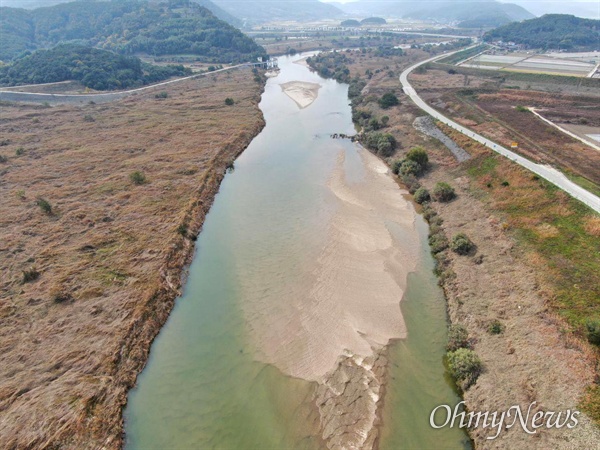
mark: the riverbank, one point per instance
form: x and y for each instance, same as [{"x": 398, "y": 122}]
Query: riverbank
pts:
[
  {"x": 527, "y": 356},
  {"x": 91, "y": 273}
]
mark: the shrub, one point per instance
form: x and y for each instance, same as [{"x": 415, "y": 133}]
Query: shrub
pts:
[
  {"x": 44, "y": 205},
  {"x": 384, "y": 121},
  {"x": 30, "y": 274},
  {"x": 505, "y": 183},
  {"x": 384, "y": 148},
  {"x": 411, "y": 183},
  {"x": 451, "y": 71},
  {"x": 3, "y": 159},
  {"x": 59, "y": 295},
  {"x": 458, "y": 337},
  {"x": 443, "y": 192},
  {"x": 388, "y": 100},
  {"x": 396, "y": 166},
  {"x": 422, "y": 195},
  {"x": 229, "y": 101},
  {"x": 429, "y": 213},
  {"x": 374, "y": 124},
  {"x": 88, "y": 118},
  {"x": 495, "y": 327},
  {"x": 521, "y": 108},
  {"x": 418, "y": 155},
  {"x": 162, "y": 94},
  {"x": 465, "y": 366},
  {"x": 19, "y": 151},
  {"x": 438, "y": 242},
  {"x": 593, "y": 331},
  {"x": 461, "y": 244},
  {"x": 384, "y": 144},
  {"x": 409, "y": 167},
  {"x": 182, "y": 229},
  {"x": 137, "y": 177}
]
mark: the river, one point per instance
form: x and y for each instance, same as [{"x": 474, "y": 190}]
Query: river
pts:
[{"x": 294, "y": 291}]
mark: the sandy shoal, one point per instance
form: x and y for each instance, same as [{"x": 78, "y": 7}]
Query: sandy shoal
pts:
[
  {"x": 351, "y": 304},
  {"x": 302, "y": 93}
]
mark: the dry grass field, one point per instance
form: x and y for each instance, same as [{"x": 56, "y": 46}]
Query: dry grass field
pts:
[
  {"x": 501, "y": 114},
  {"x": 91, "y": 256}
]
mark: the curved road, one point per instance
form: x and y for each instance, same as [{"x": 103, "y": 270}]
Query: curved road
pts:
[
  {"x": 98, "y": 98},
  {"x": 546, "y": 172}
]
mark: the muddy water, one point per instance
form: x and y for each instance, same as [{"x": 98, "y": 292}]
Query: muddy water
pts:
[{"x": 303, "y": 260}]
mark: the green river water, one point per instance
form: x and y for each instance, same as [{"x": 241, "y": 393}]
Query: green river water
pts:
[{"x": 203, "y": 386}]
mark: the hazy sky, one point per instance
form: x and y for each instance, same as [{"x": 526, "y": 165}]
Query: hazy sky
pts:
[{"x": 582, "y": 8}]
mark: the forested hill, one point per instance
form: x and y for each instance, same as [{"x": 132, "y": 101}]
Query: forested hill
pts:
[
  {"x": 94, "y": 68},
  {"x": 127, "y": 27},
  {"x": 552, "y": 31}
]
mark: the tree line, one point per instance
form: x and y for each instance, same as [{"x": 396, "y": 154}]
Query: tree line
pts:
[
  {"x": 552, "y": 31},
  {"x": 94, "y": 68}
]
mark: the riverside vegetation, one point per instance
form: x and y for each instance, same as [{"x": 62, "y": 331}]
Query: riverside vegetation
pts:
[
  {"x": 523, "y": 230},
  {"x": 99, "y": 219}
]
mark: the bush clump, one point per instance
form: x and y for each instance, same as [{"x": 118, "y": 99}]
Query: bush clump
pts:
[
  {"x": 593, "y": 331},
  {"x": 388, "y": 100},
  {"x": 229, "y": 101},
  {"x": 418, "y": 155},
  {"x": 410, "y": 167},
  {"x": 422, "y": 195},
  {"x": 59, "y": 295},
  {"x": 30, "y": 274},
  {"x": 461, "y": 244},
  {"x": 44, "y": 205},
  {"x": 465, "y": 366},
  {"x": 443, "y": 192},
  {"x": 137, "y": 177},
  {"x": 162, "y": 94},
  {"x": 458, "y": 337},
  {"x": 496, "y": 327},
  {"x": 382, "y": 143},
  {"x": 411, "y": 183},
  {"x": 438, "y": 242}
]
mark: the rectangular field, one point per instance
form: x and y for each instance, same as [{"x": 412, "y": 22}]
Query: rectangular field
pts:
[{"x": 531, "y": 63}]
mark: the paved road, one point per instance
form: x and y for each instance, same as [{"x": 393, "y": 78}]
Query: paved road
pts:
[
  {"x": 36, "y": 97},
  {"x": 546, "y": 172}
]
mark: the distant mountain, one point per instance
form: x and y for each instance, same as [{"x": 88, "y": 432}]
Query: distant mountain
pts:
[
  {"x": 261, "y": 11},
  {"x": 126, "y": 27},
  {"x": 32, "y": 4},
  {"x": 552, "y": 31},
  {"x": 589, "y": 9},
  {"x": 484, "y": 12},
  {"x": 219, "y": 12}
]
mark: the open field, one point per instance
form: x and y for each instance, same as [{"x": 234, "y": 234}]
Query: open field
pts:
[
  {"x": 531, "y": 241},
  {"x": 532, "y": 63},
  {"x": 493, "y": 112},
  {"x": 281, "y": 43},
  {"x": 100, "y": 208}
]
